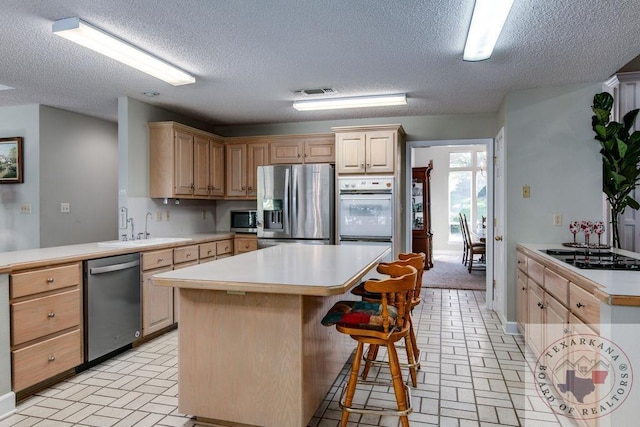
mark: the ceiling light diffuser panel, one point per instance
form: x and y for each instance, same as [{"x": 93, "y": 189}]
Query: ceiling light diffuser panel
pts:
[
  {"x": 487, "y": 21},
  {"x": 91, "y": 37},
  {"x": 352, "y": 102}
]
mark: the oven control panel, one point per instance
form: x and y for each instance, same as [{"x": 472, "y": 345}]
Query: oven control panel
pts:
[{"x": 368, "y": 183}]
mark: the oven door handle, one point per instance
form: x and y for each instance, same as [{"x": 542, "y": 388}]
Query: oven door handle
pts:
[{"x": 383, "y": 239}]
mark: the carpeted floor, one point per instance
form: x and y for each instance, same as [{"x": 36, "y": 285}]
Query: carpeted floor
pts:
[{"x": 448, "y": 272}]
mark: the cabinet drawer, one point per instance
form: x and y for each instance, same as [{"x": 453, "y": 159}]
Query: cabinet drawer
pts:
[
  {"x": 157, "y": 259},
  {"x": 584, "y": 305},
  {"x": 38, "y": 317},
  {"x": 46, "y": 359},
  {"x": 185, "y": 253},
  {"x": 245, "y": 245},
  {"x": 522, "y": 261},
  {"x": 207, "y": 250},
  {"x": 557, "y": 286},
  {"x": 43, "y": 280},
  {"x": 224, "y": 247},
  {"x": 535, "y": 271}
]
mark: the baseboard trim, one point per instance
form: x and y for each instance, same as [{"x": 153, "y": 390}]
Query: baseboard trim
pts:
[
  {"x": 511, "y": 328},
  {"x": 7, "y": 405}
]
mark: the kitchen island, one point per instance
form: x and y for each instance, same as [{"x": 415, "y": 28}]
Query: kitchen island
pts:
[{"x": 252, "y": 350}]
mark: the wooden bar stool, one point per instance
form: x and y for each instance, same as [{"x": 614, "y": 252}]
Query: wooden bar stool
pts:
[
  {"x": 378, "y": 323},
  {"x": 416, "y": 261}
]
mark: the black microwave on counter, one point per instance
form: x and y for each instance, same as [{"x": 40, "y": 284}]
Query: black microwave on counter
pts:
[{"x": 244, "y": 221}]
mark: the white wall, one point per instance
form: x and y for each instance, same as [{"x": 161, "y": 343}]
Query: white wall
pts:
[
  {"x": 550, "y": 146},
  {"x": 79, "y": 166},
  {"x": 21, "y": 231}
]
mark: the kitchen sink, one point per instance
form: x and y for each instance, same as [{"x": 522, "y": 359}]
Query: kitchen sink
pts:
[{"x": 143, "y": 242}]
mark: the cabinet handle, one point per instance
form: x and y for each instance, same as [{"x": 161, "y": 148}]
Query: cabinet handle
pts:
[
  {"x": 193, "y": 186},
  {"x": 50, "y": 280},
  {"x": 361, "y": 165},
  {"x": 209, "y": 252},
  {"x": 159, "y": 260},
  {"x": 541, "y": 305},
  {"x": 368, "y": 165},
  {"x": 51, "y": 315},
  {"x": 188, "y": 255},
  {"x": 298, "y": 155},
  {"x": 52, "y": 358},
  {"x": 250, "y": 188},
  {"x": 566, "y": 330},
  {"x": 243, "y": 188},
  {"x": 524, "y": 288},
  {"x": 579, "y": 305}
]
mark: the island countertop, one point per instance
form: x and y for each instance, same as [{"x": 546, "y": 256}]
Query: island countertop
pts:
[{"x": 319, "y": 270}]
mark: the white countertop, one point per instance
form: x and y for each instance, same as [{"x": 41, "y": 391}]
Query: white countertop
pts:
[
  {"x": 612, "y": 282},
  {"x": 38, "y": 257},
  {"x": 285, "y": 269}
]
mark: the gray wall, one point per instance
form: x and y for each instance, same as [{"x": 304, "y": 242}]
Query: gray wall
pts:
[
  {"x": 550, "y": 147},
  {"x": 79, "y": 166},
  {"x": 21, "y": 231}
]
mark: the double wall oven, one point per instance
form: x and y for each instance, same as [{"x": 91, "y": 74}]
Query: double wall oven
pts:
[{"x": 366, "y": 211}]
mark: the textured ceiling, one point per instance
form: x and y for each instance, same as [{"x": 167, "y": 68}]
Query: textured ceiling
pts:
[{"x": 250, "y": 57}]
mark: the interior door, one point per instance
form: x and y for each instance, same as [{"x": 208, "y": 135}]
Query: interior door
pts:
[{"x": 498, "y": 227}]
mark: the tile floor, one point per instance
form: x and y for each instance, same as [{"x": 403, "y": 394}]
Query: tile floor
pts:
[{"x": 472, "y": 375}]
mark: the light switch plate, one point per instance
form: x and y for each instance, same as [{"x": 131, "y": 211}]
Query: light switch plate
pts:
[
  {"x": 25, "y": 208},
  {"x": 526, "y": 191},
  {"x": 65, "y": 207},
  {"x": 557, "y": 220}
]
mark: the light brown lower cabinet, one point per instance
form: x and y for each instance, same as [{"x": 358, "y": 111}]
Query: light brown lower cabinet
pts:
[
  {"x": 243, "y": 244},
  {"x": 45, "y": 323},
  {"x": 157, "y": 301}
]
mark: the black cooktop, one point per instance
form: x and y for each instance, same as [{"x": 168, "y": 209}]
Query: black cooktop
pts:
[{"x": 595, "y": 259}]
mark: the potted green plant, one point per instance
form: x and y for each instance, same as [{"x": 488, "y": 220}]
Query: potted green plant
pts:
[{"x": 620, "y": 152}]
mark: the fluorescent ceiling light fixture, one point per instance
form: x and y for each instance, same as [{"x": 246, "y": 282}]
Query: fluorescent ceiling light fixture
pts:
[
  {"x": 353, "y": 102},
  {"x": 87, "y": 35},
  {"x": 5, "y": 87},
  {"x": 487, "y": 21}
]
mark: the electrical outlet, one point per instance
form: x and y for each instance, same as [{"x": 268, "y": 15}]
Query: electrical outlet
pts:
[
  {"x": 167, "y": 212},
  {"x": 25, "y": 208},
  {"x": 159, "y": 216},
  {"x": 557, "y": 220},
  {"x": 65, "y": 208},
  {"x": 526, "y": 191}
]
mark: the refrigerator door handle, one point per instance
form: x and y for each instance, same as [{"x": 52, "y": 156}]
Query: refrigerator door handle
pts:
[
  {"x": 294, "y": 201},
  {"x": 286, "y": 226}
]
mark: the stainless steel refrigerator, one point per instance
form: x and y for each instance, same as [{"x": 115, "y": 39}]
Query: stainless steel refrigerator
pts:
[{"x": 295, "y": 204}]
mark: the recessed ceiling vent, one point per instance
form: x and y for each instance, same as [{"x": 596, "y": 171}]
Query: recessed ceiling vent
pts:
[{"x": 324, "y": 91}]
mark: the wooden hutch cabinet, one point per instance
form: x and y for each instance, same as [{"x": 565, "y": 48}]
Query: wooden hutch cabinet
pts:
[{"x": 421, "y": 212}]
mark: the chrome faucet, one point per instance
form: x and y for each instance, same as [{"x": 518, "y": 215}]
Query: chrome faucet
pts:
[
  {"x": 146, "y": 233},
  {"x": 133, "y": 235}
]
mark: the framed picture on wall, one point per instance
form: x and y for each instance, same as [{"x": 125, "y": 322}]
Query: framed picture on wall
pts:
[{"x": 11, "y": 162}]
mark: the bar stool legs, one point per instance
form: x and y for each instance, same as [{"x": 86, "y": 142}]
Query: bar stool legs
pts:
[{"x": 400, "y": 389}]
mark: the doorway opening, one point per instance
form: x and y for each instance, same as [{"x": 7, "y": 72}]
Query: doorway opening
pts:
[{"x": 461, "y": 182}]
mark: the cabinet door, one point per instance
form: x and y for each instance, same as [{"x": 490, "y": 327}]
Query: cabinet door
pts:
[
  {"x": 183, "y": 168},
  {"x": 556, "y": 325},
  {"x": 535, "y": 328},
  {"x": 157, "y": 304},
  {"x": 320, "y": 150},
  {"x": 201, "y": 166},
  {"x": 236, "y": 166},
  {"x": 521, "y": 301},
  {"x": 257, "y": 155},
  {"x": 216, "y": 169},
  {"x": 350, "y": 157},
  {"x": 380, "y": 152},
  {"x": 286, "y": 152}
]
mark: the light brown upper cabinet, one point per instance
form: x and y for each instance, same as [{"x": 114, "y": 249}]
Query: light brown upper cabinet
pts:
[
  {"x": 370, "y": 149},
  {"x": 294, "y": 149},
  {"x": 244, "y": 155},
  {"x": 185, "y": 162}
]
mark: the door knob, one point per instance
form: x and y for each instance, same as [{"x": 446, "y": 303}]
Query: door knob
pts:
[{"x": 498, "y": 238}]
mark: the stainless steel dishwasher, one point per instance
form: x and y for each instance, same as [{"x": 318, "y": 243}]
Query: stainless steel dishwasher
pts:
[{"x": 112, "y": 318}]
